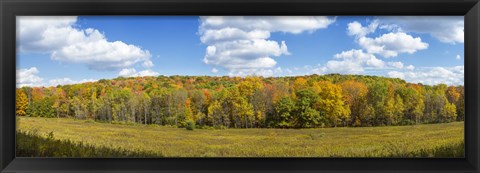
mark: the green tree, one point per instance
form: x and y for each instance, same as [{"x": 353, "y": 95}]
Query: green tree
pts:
[
  {"x": 307, "y": 116},
  {"x": 284, "y": 110},
  {"x": 377, "y": 97}
]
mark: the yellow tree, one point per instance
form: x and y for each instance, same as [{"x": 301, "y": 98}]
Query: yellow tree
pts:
[
  {"x": 399, "y": 109},
  {"x": 21, "y": 103},
  {"x": 300, "y": 83},
  {"x": 331, "y": 102},
  {"x": 215, "y": 113},
  {"x": 355, "y": 94},
  {"x": 449, "y": 113},
  {"x": 248, "y": 86},
  {"x": 188, "y": 111},
  {"x": 452, "y": 94},
  {"x": 60, "y": 104},
  {"x": 252, "y": 88}
]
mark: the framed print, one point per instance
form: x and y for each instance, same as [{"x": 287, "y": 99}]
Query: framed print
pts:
[{"x": 186, "y": 86}]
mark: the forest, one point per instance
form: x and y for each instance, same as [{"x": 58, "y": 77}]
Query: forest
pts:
[{"x": 312, "y": 101}]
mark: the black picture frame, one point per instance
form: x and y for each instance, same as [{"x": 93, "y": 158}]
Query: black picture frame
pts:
[{"x": 11, "y": 8}]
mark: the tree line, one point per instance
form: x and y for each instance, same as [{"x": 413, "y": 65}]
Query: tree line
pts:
[{"x": 332, "y": 100}]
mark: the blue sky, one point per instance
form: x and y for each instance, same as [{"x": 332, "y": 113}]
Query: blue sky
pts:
[{"x": 66, "y": 50}]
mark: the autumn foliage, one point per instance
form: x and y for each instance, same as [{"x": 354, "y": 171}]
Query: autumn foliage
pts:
[{"x": 251, "y": 102}]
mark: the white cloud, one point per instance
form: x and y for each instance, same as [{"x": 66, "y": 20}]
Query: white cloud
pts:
[
  {"x": 257, "y": 72},
  {"x": 391, "y": 44},
  {"x": 447, "y": 29},
  {"x": 147, "y": 73},
  {"x": 290, "y": 24},
  {"x": 278, "y": 70},
  {"x": 131, "y": 72},
  {"x": 396, "y": 64},
  {"x": 344, "y": 67},
  {"x": 396, "y": 74},
  {"x": 240, "y": 43},
  {"x": 68, "y": 81},
  {"x": 458, "y": 57},
  {"x": 127, "y": 72},
  {"x": 251, "y": 72},
  {"x": 351, "y": 62},
  {"x": 390, "y": 27},
  {"x": 387, "y": 45},
  {"x": 355, "y": 28},
  {"x": 410, "y": 67},
  {"x": 374, "y": 62},
  {"x": 244, "y": 54},
  {"x": 214, "y": 70},
  {"x": 231, "y": 34},
  {"x": 433, "y": 76},
  {"x": 68, "y": 44},
  {"x": 35, "y": 33},
  {"x": 28, "y": 77},
  {"x": 148, "y": 64}
]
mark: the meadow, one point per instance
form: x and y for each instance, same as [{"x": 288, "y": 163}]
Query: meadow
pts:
[{"x": 66, "y": 137}]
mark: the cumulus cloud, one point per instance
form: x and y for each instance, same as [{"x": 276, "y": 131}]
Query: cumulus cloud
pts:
[
  {"x": 288, "y": 24},
  {"x": 244, "y": 54},
  {"x": 396, "y": 74},
  {"x": 433, "y": 75},
  {"x": 355, "y": 28},
  {"x": 28, "y": 77},
  {"x": 447, "y": 29},
  {"x": 387, "y": 45},
  {"x": 148, "y": 64},
  {"x": 66, "y": 43},
  {"x": 231, "y": 34},
  {"x": 398, "y": 65},
  {"x": 391, "y": 44},
  {"x": 396, "y": 41},
  {"x": 131, "y": 72},
  {"x": 37, "y": 33},
  {"x": 410, "y": 67},
  {"x": 352, "y": 62},
  {"x": 214, "y": 70},
  {"x": 240, "y": 43}
]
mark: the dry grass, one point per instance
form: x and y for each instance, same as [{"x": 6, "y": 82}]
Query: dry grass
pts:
[{"x": 433, "y": 140}]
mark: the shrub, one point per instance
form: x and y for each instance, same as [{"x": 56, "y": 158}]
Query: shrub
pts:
[{"x": 190, "y": 125}]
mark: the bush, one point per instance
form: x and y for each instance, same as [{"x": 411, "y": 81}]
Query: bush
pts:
[{"x": 190, "y": 125}]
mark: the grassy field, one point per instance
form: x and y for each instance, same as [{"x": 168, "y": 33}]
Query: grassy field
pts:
[{"x": 51, "y": 137}]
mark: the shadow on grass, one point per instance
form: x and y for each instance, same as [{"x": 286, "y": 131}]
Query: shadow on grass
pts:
[
  {"x": 30, "y": 144},
  {"x": 447, "y": 151},
  {"x": 454, "y": 150}
]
